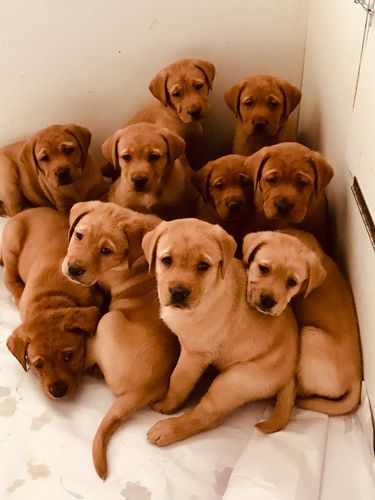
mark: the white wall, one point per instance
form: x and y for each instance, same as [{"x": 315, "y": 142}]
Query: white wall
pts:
[
  {"x": 90, "y": 61},
  {"x": 333, "y": 48}
]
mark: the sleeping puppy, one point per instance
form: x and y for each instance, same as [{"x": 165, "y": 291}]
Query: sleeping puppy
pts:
[
  {"x": 227, "y": 195},
  {"x": 289, "y": 181},
  {"x": 57, "y": 315},
  {"x": 181, "y": 102},
  {"x": 51, "y": 169},
  {"x": 201, "y": 289},
  {"x": 262, "y": 105},
  {"x": 134, "y": 349},
  {"x": 155, "y": 176},
  {"x": 290, "y": 266}
]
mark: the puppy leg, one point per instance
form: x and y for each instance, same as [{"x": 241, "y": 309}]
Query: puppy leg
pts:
[
  {"x": 10, "y": 254},
  {"x": 285, "y": 400},
  {"x": 189, "y": 368},
  {"x": 11, "y": 196}
]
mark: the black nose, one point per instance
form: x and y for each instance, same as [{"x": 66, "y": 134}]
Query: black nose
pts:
[
  {"x": 234, "y": 206},
  {"x": 58, "y": 389},
  {"x": 284, "y": 206},
  {"x": 267, "y": 302},
  {"x": 63, "y": 175},
  {"x": 75, "y": 270},
  {"x": 139, "y": 182},
  {"x": 260, "y": 124},
  {"x": 195, "y": 113},
  {"x": 179, "y": 294}
]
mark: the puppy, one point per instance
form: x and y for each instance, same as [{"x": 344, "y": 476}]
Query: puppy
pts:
[
  {"x": 133, "y": 348},
  {"x": 262, "y": 105},
  {"x": 289, "y": 181},
  {"x": 201, "y": 289},
  {"x": 57, "y": 315},
  {"x": 155, "y": 176},
  {"x": 51, "y": 169},
  {"x": 227, "y": 195},
  {"x": 290, "y": 266},
  {"x": 181, "y": 92}
]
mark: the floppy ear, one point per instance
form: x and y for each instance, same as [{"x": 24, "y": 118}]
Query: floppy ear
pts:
[
  {"x": 17, "y": 344},
  {"x": 79, "y": 319},
  {"x": 83, "y": 137},
  {"x": 135, "y": 232},
  {"x": 233, "y": 98},
  {"x": 208, "y": 69},
  {"x": 109, "y": 149},
  {"x": 78, "y": 210},
  {"x": 322, "y": 169},
  {"x": 251, "y": 244},
  {"x": 27, "y": 154},
  {"x": 175, "y": 144},
  {"x": 228, "y": 247},
  {"x": 292, "y": 96},
  {"x": 201, "y": 179},
  {"x": 158, "y": 87},
  {"x": 150, "y": 241},
  {"x": 255, "y": 164},
  {"x": 316, "y": 272}
]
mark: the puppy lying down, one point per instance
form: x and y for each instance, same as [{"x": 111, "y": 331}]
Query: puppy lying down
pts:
[{"x": 201, "y": 289}]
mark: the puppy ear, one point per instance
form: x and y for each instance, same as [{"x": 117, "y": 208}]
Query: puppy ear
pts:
[
  {"x": 78, "y": 210},
  {"x": 27, "y": 154},
  {"x": 83, "y": 137},
  {"x": 322, "y": 169},
  {"x": 316, "y": 272},
  {"x": 79, "y": 319},
  {"x": 208, "y": 69},
  {"x": 251, "y": 244},
  {"x": 255, "y": 164},
  {"x": 109, "y": 149},
  {"x": 201, "y": 180},
  {"x": 233, "y": 98},
  {"x": 292, "y": 96},
  {"x": 150, "y": 241},
  {"x": 175, "y": 144},
  {"x": 17, "y": 344},
  {"x": 158, "y": 87},
  {"x": 228, "y": 247}
]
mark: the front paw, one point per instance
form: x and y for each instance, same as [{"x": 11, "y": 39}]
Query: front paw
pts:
[
  {"x": 164, "y": 432},
  {"x": 165, "y": 406}
]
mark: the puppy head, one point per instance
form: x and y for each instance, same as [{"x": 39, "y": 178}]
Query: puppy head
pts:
[
  {"x": 262, "y": 103},
  {"x": 184, "y": 86},
  {"x": 279, "y": 266},
  {"x": 145, "y": 153},
  {"x": 191, "y": 258},
  {"x": 288, "y": 177},
  {"x": 58, "y": 153},
  {"x": 103, "y": 236},
  {"x": 225, "y": 184},
  {"x": 53, "y": 345}
]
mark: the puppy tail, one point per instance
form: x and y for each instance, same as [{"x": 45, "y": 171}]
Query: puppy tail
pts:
[
  {"x": 281, "y": 414},
  {"x": 122, "y": 408},
  {"x": 338, "y": 406}
]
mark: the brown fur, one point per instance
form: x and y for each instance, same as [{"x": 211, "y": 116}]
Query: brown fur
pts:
[
  {"x": 201, "y": 290},
  {"x": 133, "y": 348},
  {"x": 156, "y": 155},
  {"x": 290, "y": 266},
  {"x": 57, "y": 315},
  {"x": 51, "y": 169},
  {"x": 181, "y": 89},
  {"x": 262, "y": 105},
  {"x": 289, "y": 181}
]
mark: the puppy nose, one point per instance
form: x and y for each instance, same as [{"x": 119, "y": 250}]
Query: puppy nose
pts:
[
  {"x": 234, "y": 206},
  {"x": 75, "y": 270},
  {"x": 63, "y": 174},
  {"x": 267, "y": 302},
  {"x": 139, "y": 182},
  {"x": 179, "y": 294},
  {"x": 284, "y": 206},
  {"x": 260, "y": 124},
  {"x": 58, "y": 389},
  {"x": 195, "y": 113}
]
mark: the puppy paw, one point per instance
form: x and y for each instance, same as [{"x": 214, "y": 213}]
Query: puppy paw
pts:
[
  {"x": 267, "y": 426},
  {"x": 164, "y": 432},
  {"x": 164, "y": 406}
]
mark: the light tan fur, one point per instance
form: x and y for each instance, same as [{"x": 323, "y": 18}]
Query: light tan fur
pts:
[
  {"x": 290, "y": 266},
  {"x": 133, "y": 348},
  {"x": 53, "y": 168},
  {"x": 201, "y": 289},
  {"x": 181, "y": 92},
  {"x": 289, "y": 181},
  {"x": 262, "y": 105},
  {"x": 57, "y": 315},
  {"x": 155, "y": 176}
]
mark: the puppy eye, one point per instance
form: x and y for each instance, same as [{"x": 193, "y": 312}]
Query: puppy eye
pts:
[
  {"x": 203, "y": 266},
  {"x": 219, "y": 186},
  {"x": 176, "y": 93},
  {"x": 167, "y": 261},
  {"x": 271, "y": 180},
  {"x": 68, "y": 150},
  {"x": 197, "y": 85},
  {"x": 154, "y": 157},
  {"x": 302, "y": 183},
  {"x": 68, "y": 356},
  {"x": 105, "y": 251},
  {"x": 244, "y": 181},
  {"x": 248, "y": 103},
  {"x": 273, "y": 104},
  {"x": 126, "y": 157},
  {"x": 38, "y": 364},
  {"x": 291, "y": 282},
  {"x": 79, "y": 236},
  {"x": 44, "y": 158},
  {"x": 263, "y": 269}
]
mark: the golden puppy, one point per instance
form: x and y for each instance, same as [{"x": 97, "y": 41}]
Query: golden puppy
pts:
[
  {"x": 201, "y": 290},
  {"x": 289, "y": 181},
  {"x": 291, "y": 265},
  {"x": 52, "y": 169},
  {"x": 155, "y": 176},
  {"x": 262, "y": 105},
  {"x": 133, "y": 348},
  {"x": 227, "y": 195},
  {"x": 57, "y": 315},
  {"x": 181, "y": 90}
]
